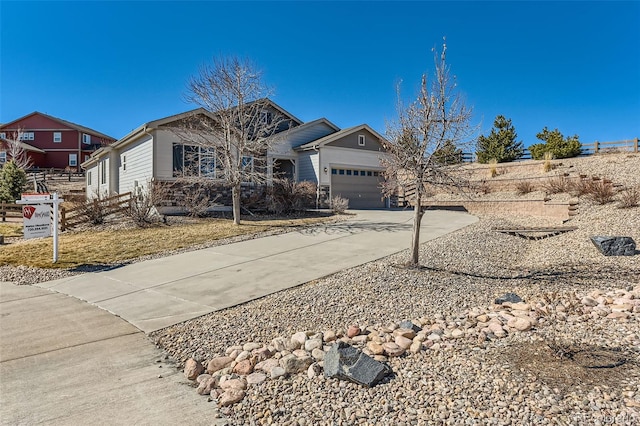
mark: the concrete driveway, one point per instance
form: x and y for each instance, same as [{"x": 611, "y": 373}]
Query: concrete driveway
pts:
[
  {"x": 66, "y": 362},
  {"x": 158, "y": 293}
]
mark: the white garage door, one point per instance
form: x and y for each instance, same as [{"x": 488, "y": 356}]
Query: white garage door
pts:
[{"x": 361, "y": 187}]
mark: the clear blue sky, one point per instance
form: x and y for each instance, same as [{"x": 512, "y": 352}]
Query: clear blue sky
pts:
[{"x": 114, "y": 65}]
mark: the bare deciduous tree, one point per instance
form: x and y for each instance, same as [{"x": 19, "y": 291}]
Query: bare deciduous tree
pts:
[
  {"x": 238, "y": 128},
  {"x": 437, "y": 117},
  {"x": 17, "y": 150}
]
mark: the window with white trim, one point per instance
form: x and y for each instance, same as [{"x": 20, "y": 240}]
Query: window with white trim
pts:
[
  {"x": 57, "y": 137},
  {"x": 124, "y": 163},
  {"x": 3, "y": 135},
  {"x": 361, "y": 140},
  {"x": 3, "y": 157},
  {"x": 89, "y": 178},
  {"x": 191, "y": 160},
  {"x": 247, "y": 162},
  {"x": 73, "y": 160},
  {"x": 86, "y": 139},
  {"x": 26, "y": 136}
]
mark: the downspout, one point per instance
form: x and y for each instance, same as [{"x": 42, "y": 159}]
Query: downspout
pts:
[
  {"x": 315, "y": 147},
  {"x": 79, "y": 151}
]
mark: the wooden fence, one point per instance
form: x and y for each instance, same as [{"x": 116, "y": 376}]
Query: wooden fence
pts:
[
  {"x": 628, "y": 145},
  {"x": 11, "y": 210},
  {"x": 88, "y": 211}
]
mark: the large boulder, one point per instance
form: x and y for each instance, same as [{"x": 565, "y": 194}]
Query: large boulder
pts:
[
  {"x": 345, "y": 362},
  {"x": 615, "y": 246}
]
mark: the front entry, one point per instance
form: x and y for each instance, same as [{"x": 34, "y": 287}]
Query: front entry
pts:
[{"x": 284, "y": 169}]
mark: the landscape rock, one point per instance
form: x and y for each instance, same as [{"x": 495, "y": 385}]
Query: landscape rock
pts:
[
  {"x": 615, "y": 246},
  {"x": 205, "y": 386},
  {"x": 508, "y": 297},
  {"x": 192, "y": 369},
  {"x": 353, "y": 331},
  {"x": 406, "y": 324},
  {"x": 255, "y": 378},
  {"x": 218, "y": 363},
  {"x": 345, "y": 362},
  {"x": 293, "y": 364},
  {"x": 392, "y": 349},
  {"x": 244, "y": 367},
  {"x": 277, "y": 372},
  {"x": 230, "y": 397}
]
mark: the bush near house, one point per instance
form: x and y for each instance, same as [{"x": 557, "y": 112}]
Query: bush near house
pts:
[{"x": 556, "y": 144}]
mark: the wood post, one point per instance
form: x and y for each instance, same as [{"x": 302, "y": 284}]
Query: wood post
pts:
[
  {"x": 635, "y": 145},
  {"x": 595, "y": 147}
]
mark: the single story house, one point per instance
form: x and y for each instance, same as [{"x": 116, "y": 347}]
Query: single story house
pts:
[{"x": 341, "y": 162}]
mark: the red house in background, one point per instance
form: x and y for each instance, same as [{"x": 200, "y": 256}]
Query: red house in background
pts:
[{"x": 58, "y": 143}]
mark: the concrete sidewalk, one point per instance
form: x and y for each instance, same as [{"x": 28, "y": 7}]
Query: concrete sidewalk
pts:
[
  {"x": 158, "y": 293},
  {"x": 65, "y": 362}
]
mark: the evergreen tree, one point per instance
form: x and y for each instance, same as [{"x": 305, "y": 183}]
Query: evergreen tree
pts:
[
  {"x": 501, "y": 144},
  {"x": 448, "y": 154},
  {"x": 556, "y": 144},
  {"x": 12, "y": 182}
]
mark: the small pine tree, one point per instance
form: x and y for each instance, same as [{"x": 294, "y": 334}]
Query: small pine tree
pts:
[
  {"x": 12, "y": 182},
  {"x": 501, "y": 144},
  {"x": 556, "y": 145},
  {"x": 448, "y": 154}
]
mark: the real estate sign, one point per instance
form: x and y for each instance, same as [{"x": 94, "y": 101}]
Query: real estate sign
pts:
[{"x": 37, "y": 221}]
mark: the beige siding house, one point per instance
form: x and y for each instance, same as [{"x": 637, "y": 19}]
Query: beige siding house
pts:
[{"x": 342, "y": 162}]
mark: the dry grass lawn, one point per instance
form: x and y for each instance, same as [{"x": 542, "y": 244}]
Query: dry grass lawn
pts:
[
  {"x": 11, "y": 229},
  {"x": 115, "y": 246}
]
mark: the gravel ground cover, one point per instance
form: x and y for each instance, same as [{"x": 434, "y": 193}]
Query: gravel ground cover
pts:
[
  {"x": 583, "y": 306},
  {"x": 463, "y": 381}
]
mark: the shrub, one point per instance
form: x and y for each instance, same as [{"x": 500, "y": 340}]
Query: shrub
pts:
[
  {"x": 196, "y": 197},
  {"x": 547, "y": 166},
  {"x": 93, "y": 210},
  {"x": 287, "y": 196},
  {"x": 493, "y": 168},
  {"x": 12, "y": 182},
  {"x": 581, "y": 187},
  {"x": 556, "y": 144},
  {"x": 601, "y": 192},
  {"x": 524, "y": 187},
  {"x": 629, "y": 197},
  {"x": 557, "y": 185},
  {"x": 144, "y": 202},
  {"x": 339, "y": 204},
  {"x": 283, "y": 196}
]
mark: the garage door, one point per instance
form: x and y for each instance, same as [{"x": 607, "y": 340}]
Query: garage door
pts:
[{"x": 361, "y": 187}]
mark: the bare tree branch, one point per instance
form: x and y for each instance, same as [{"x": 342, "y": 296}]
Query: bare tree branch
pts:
[
  {"x": 17, "y": 150},
  {"x": 237, "y": 127},
  {"x": 435, "y": 121}
]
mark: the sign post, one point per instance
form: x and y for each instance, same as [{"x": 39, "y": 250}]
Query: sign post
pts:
[{"x": 36, "y": 217}]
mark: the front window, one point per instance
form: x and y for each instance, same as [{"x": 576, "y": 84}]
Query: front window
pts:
[
  {"x": 3, "y": 157},
  {"x": 191, "y": 160},
  {"x": 103, "y": 173},
  {"x": 57, "y": 137},
  {"x": 73, "y": 160},
  {"x": 86, "y": 139},
  {"x": 247, "y": 163}
]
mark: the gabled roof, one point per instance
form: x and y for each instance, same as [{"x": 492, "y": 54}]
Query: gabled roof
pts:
[
  {"x": 24, "y": 146},
  {"x": 61, "y": 121},
  {"x": 296, "y": 129},
  {"x": 335, "y": 136},
  {"x": 144, "y": 128},
  {"x": 278, "y": 108}
]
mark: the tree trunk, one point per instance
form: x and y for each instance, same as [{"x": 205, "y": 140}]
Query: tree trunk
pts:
[
  {"x": 415, "y": 238},
  {"x": 235, "y": 196}
]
